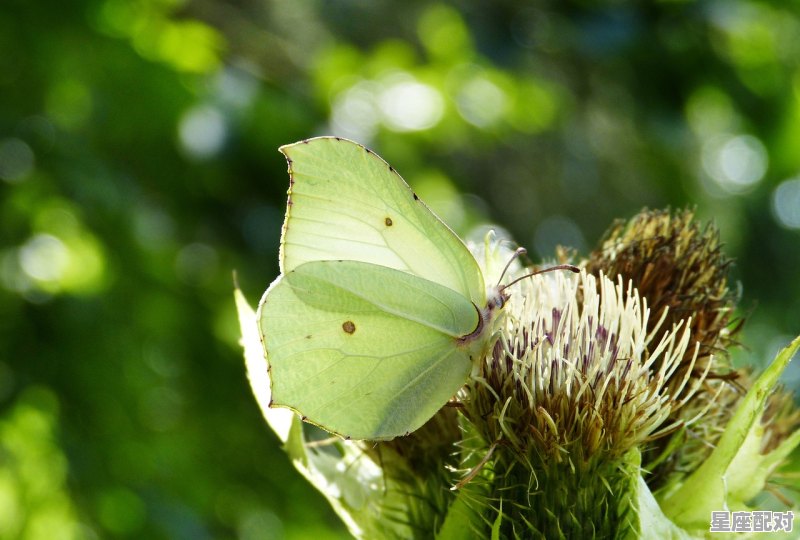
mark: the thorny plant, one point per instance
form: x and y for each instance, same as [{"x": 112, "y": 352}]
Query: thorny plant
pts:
[{"x": 606, "y": 408}]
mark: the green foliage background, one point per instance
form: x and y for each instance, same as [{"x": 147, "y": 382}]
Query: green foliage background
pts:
[{"x": 138, "y": 168}]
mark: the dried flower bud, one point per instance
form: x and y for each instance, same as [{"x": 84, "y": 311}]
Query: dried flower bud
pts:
[
  {"x": 680, "y": 268},
  {"x": 577, "y": 364}
]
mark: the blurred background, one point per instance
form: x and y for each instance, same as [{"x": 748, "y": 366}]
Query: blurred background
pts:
[{"x": 139, "y": 168}]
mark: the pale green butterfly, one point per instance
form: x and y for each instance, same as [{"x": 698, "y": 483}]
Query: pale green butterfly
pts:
[{"x": 380, "y": 311}]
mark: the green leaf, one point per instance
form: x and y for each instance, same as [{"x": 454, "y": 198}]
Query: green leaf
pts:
[
  {"x": 497, "y": 523},
  {"x": 734, "y": 471},
  {"x": 461, "y": 517},
  {"x": 645, "y": 519},
  {"x": 280, "y": 420}
]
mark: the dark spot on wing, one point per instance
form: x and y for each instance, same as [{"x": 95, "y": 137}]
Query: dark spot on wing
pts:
[
  {"x": 388, "y": 221},
  {"x": 305, "y": 141},
  {"x": 303, "y": 418},
  {"x": 338, "y": 138},
  {"x": 415, "y": 197},
  {"x": 391, "y": 169},
  {"x": 349, "y": 327},
  {"x": 367, "y": 149},
  {"x": 308, "y": 336}
]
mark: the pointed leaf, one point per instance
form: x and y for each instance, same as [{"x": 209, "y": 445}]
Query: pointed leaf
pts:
[{"x": 709, "y": 487}]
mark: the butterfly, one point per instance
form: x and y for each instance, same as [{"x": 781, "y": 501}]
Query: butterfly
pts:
[{"x": 380, "y": 311}]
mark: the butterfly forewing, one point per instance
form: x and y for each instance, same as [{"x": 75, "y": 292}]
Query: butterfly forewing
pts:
[
  {"x": 363, "y": 350},
  {"x": 346, "y": 203}
]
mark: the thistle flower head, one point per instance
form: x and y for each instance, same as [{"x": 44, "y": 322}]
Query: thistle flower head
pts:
[{"x": 576, "y": 370}]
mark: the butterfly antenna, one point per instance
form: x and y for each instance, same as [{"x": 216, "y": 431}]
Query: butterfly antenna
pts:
[
  {"x": 517, "y": 253},
  {"x": 570, "y": 267}
]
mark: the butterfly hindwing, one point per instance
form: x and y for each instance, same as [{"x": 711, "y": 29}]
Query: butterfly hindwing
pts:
[{"x": 363, "y": 350}]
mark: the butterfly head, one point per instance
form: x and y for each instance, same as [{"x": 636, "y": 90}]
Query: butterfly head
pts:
[{"x": 496, "y": 297}]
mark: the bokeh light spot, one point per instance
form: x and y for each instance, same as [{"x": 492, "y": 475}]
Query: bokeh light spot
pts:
[
  {"x": 202, "y": 131},
  {"x": 443, "y": 32},
  {"x": 44, "y": 257},
  {"x": 190, "y": 46},
  {"x": 786, "y": 203},
  {"x": 34, "y": 501},
  {"x": 709, "y": 112},
  {"x": 481, "y": 102},
  {"x": 16, "y": 160},
  {"x": 735, "y": 163},
  {"x": 354, "y": 114},
  {"x": 61, "y": 257},
  {"x": 115, "y": 17},
  {"x": 536, "y": 106},
  {"x": 236, "y": 88},
  {"x": 752, "y": 37},
  {"x": 409, "y": 105}
]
